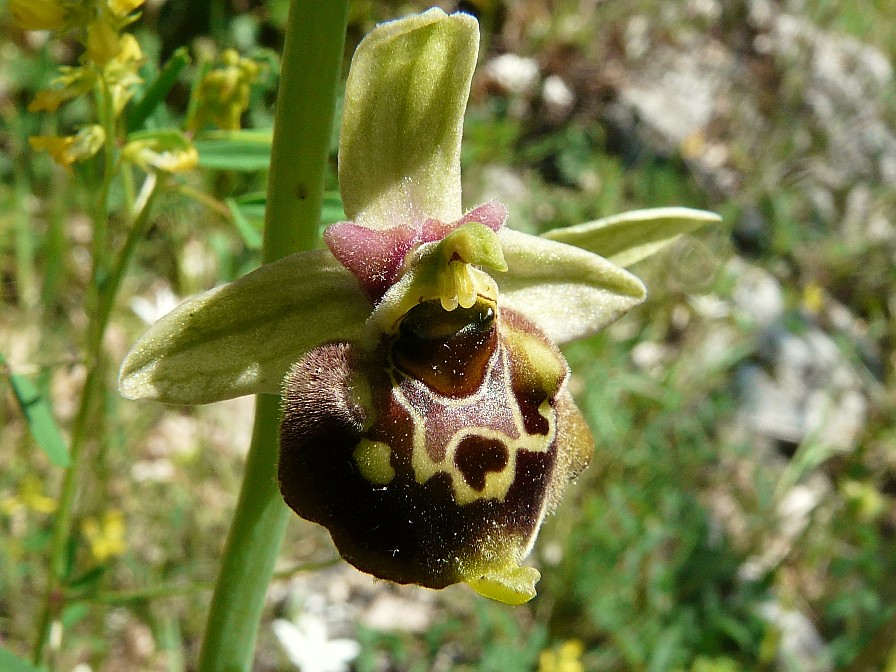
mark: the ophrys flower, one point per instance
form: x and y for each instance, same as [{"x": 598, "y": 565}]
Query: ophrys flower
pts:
[{"x": 427, "y": 421}]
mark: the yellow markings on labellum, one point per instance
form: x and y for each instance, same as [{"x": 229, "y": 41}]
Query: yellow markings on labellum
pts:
[
  {"x": 542, "y": 366},
  {"x": 485, "y": 443},
  {"x": 373, "y": 460}
]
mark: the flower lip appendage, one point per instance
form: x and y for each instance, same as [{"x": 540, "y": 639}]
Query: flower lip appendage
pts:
[{"x": 427, "y": 421}]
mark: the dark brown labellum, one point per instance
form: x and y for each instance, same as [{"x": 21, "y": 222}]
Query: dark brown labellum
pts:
[{"x": 433, "y": 458}]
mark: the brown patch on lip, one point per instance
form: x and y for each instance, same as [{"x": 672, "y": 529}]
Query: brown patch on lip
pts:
[
  {"x": 449, "y": 351},
  {"x": 476, "y": 456}
]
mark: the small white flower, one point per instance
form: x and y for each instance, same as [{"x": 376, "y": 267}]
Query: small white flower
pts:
[
  {"x": 557, "y": 96},
  {"x": 515, "y": 74},
  {"x": 308, "y": 648},
  {"x": 160, "y": 303}
]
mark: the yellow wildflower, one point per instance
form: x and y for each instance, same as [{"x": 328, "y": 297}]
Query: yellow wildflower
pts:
[
  {"x": 121, "y": 71},
  {"x": 131, "y": 53},
  {"x": 30, "y": 497},
  {"x": 224, "y": 92},
  {"x": 566, "y": 658},
  {"x": 71, "y": 83},
  {"x": 48, "y": 100},
  {"x": 65, "y": 150},
  {"x": 106, "y": 536},
  {"x": 57, "y": 147},
  {"x": 166, "y": 150},
  {"x": 38, "y": 14},
  {"x": 865, "y": 499},
  {"x": 813, "y": 298},
  {"x": 103, "y": 43}
]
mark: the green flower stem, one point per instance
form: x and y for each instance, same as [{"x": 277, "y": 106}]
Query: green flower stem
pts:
[
  {"x": 136, "y": 233},
  {"x": 310, "y": 75},
  {"x": 110, "y": 169},
  {"x": 25, "y": 275},
  {"x": 104, "y": 299}
]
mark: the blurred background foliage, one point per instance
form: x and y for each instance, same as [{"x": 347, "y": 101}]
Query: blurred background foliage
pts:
[{"x": 739, "y": 513}]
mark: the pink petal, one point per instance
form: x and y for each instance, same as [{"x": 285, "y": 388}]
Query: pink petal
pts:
[
  {"x": 373, "y": 257},
  {"x": 493, "y": 214}
]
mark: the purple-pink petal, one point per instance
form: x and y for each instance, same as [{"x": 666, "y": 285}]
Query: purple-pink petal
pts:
[{"x": 375, "y": 256}]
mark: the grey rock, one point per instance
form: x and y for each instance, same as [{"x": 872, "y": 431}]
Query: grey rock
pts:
[
  {"x": 805, "y": 390},
  {"x": 801, "y": 648}
]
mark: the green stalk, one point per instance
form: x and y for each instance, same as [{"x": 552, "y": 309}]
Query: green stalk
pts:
[
  {"x": 25, "y": 276},
  {"x": 309, "y": 78},
  {"x": 62, "y": 523}
]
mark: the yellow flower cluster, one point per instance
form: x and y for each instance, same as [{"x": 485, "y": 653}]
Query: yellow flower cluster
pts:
[
  {"x": 169, "y": 151},
  {"x": 565, "y": 658},
  {"x": 110, "y": 64},
  {"x": 30, "y": 497},
  {"x": 68, "y": 149},
  {"x": 223, "y": 94},
  {"x": 38, "y": 14},
  {"x": 105, "y": 536}
]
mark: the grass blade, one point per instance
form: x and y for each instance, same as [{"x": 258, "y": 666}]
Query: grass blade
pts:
[
  {"x": 39, "y": 417},
  {"x": 9, "y": 662},
  {"x": 246, "y": 151},
  {"x": 158, "y": 90}
]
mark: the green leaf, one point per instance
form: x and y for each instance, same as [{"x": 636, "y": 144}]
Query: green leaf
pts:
[
  {"x": 246, "y": 151},
  {"x": 89, "y": 581},
  {"x": 39, "y": 417},
  {"x": 251, "y": 233},
  {"x": 252, "y": 204},
  {"x": 399, "y": 153},
  {"x": 242, "y": 337},
  {"x": 157, "y": 91},
  {"x": 9, "y": 662},
  {"x": 73, "y": 614},
  {"x": 627, "y": 238},
  {"x": 568, "y": 292}
]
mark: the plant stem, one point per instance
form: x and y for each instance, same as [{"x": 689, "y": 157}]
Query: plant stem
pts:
[
  {"x": 103, "y": 301},
  {"x": 310, "y": 75}
]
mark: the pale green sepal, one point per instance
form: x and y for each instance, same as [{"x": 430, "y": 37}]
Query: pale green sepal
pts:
[
  {"x": 242, "y": 337},
  {"x": 568, "y": 292},
  {"x": 399, "y": 150},
  {"x": 513, "y": 585},
  {"x": 629, "y": 237}
]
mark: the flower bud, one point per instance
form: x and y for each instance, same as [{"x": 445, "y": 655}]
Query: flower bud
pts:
[{"x": 38, "y": 14}]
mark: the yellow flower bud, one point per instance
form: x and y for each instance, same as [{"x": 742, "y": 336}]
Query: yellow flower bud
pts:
[
  {"x": 56, "y": 147},
  {"x": 102, "y": 42},
  {"x": 224, "y": 92},
  {"x": 47, "y": 100},
  {"x": 130, "y": 51},
  {"x": 166, "y": 150},
  {"x": 66, "y": 150},
  {"x": 124, "y": 7},
  {"x": 37, "y": 14}
]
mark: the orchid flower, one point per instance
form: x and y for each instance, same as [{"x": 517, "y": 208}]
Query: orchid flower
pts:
[{"x": 427, "y": 420}]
